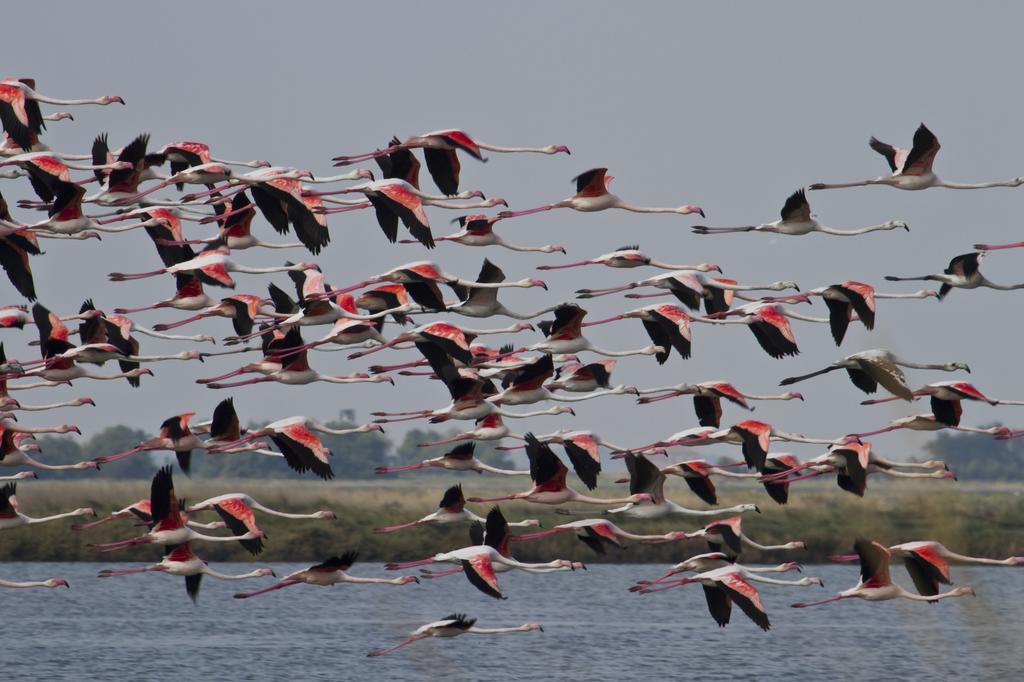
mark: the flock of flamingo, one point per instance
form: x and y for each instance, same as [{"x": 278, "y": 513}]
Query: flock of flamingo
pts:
[{"x": 487, "y": 385}]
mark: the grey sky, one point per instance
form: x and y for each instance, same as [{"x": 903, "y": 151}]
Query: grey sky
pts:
[{"x": 729, "y": 106}]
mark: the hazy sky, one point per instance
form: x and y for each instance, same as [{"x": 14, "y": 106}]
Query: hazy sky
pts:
[{"x": 729, "y": 106}]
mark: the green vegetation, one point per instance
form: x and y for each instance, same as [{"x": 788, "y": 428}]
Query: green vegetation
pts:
[{"x": 965, "y": 517}]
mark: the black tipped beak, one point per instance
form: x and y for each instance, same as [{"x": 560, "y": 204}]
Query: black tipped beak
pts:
[
  {"x": 541, "y": 627},
  {"x": 757, "y": 509},
  {"x": 70, "y": 117}
]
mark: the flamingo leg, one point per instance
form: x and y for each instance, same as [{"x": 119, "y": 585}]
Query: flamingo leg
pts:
[
  {"x": 381, "y": 652},
  {"x": 277, "y": 586},
  {"x": 804, "y": 605}
]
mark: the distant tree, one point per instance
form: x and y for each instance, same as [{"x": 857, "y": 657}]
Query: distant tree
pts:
[{"x": 978, "y": 457}]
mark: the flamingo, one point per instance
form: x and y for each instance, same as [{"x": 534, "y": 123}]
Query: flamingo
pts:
[
  {"x": 631, "y": 256},
  {"x": 770, "y": 325},
  {"x": 946, "y": 397},
  {"x": 592, "y": 195},
  {"x": 9, "y": 147},
  {"x": 181, "y": 560},
  {"x": 330, "y": 572},
  {"x": 449, "y": 338},
  {"x": 565, "y": 336},
  {"x": 928, "y": 562},
  {"x": 11, "y": 455},
  {"x": 21, "y": 475},
  {"x": 963, "y": 272},
  {"x": 725, "y": 586},
  {"x": 52, "y": 582},
  {"x": 690, "y": 287},
  {"x": 727, "y": 535},
  {"x": 169, "y": 526},
  {"x": 875, "y": 583},
  {"x": 481, "y": 302},
  {"x": 548, "y": 475},
  {"x": 11, "y": 516},
  {"x": 527, "y": 386},
  {"x": 645, "y": 477},
  {"x": 178, "y": 437},
  {"x": 697, "y": 473},
  {"x": 295, "y": 437},
  {"x": 702, "y": 563},
  {"x": 452, "y": 626},
  {"x": 439, "y": 149},
  {"x": 753, "y": 436},
  {"x": 295, "y": 370},
  {"x": 478, "y": 230},
  {"x": 929, "y": 422},
  {"x": 595, "y": 533},
  {"x": 19, "y": 108},
  {"x": 421, "y": 272},
  {"x": 576, "y": 377},
  {"x": 15, "y": 250},
  {"x": 13, "y": 405},
  {"x": 843, "y": 300},
  {"x": 668, "y": 326},
  {"x": 236, "y": 229},
  {"x": 140, "y": 510},
  {"x": 451, "y": 509},
  {"x": 241, "y": 309},
  {"x": 707, "y": 398},
  {"x": 214, "y": 262},
  {"x": 229, "y": 502},
  {"x": 797, "y": 220},
  {"x": 871, "y": 368},
  {"x": 912, "y": 169},
  {"x": 460, "y": 458},
  {"x": 480, "y": 562}
]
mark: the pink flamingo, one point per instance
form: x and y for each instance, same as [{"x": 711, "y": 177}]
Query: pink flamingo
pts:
[{"x": 452, "y": 626}]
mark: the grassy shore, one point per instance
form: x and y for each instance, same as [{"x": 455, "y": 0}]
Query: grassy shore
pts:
[{"x": 973, "y": 519}]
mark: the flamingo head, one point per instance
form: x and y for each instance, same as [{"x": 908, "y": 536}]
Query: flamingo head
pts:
[
  {"x": 552, "y": 248},
  {"x": 380, "y": 379},
  {"x": 69, "y": 428},
  {"x": 1016, "y": 561},
  {"x": 709, "y": 267},
  {"x": 640, "y": 498},
  {"x": 85, "y": 511},
  {"x": 90, "y": 234},
  {"x": 564, "y": 409},
  {"x": 795, "y": 545},
  {"x": 537, "y": 283},
  {"x": 812, "y": 580},
  {"x": 523, "y": 326},
  {"x": 364, "y": 174},
  {"x": 749, "y": 508},
  {"x": 556, "y": 149},
  {"x": 84, "y": 401},
  {"x": 532, "y": 522},
  {"x": 652, "y": 350},
  {"x": 57, "y": 582},
  {"x": 896, "y": 224},
  {"x": 326, "y": 515},
  {"x": 954, "y": 366},
  {"x": 537, "y": 626},
  {"x": 793, "y": 395},
  {"x": 964, "y": 590},
  {"x": 8, "y": 401},
  {"x": 110, "y": 99},
  {"x": 783, "y": 285},
  {"x": 405, "y": 579},
  {"x": 688, "y": 208},
  {"x": 142, "y": 371},
  {"x": 264, "y": 571}
]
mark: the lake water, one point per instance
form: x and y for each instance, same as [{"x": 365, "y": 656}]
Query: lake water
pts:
[{"x": 144, "y": 627}]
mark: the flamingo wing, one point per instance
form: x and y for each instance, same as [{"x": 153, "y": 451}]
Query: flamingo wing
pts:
[
  {"x": 480, "y": 573},
  {"x": 585, "y": 459},
  {"x": 591, "y": 183},
  {"x": 644, "y": 477},
  {"x": 746, "y": 596},
  {"x": 444, "y": 167},
  {"x": 15, "y": 263},
  {"x": 225, "y": 426},
  {"x": 719, "y": 604},
  {"x": 453, "y": 500},
  {"x": 545, "y": 467},
  {"x": 163, "y": 503},
  {"x": 240, "y": 519},
  {"x": 922, "y": 153},
  {"x": 303, "y": 451},
  {"x": 796, "y": 209},
  {"x": 337, "y": 563},
  {"x": 946, "y": 411},
  {"x": 702, "y": 487},
  {"x": 874, "y": 563}
]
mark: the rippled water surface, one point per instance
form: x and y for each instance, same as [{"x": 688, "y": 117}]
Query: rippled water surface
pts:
[{"x": 144, "y": 627}]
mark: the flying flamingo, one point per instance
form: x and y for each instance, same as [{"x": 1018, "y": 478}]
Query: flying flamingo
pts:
[
  {"x": 452, "y": 626},
  {"x": 746, "y": 573},
  {"x": 19, "y": 108},
  {"x": 178, "y": 437},
  {"x": 928, "y": 562},
  {"x": 214, "y": 262},
  {"x": 460, "y": 458},
  {"x": 140, "y": 510},
  {"x": 330, "y": 572},
  {"x": 12, "y": 455},
  {"x": 236, "y": 229},
  {"x": 480, "y": 302},
  {"x": 710, "y": 561},
  {"x": 451, "y": 509},
  {"x": 690, "y": 287},
  {"x": 697, "y": 473},
  {"x": 478, "y": 230},
  {"x": 15, "y": 250},
  {"x": 11, "y": 516},
  {"x": 592, "y": 195},
  {"x": 797, "y": 220},
  {"x": 241, "y": 501},
  {"x": 843, "y": 300},
  {"x": 52, "y": 582},
  {"x": 480, "y": 561},
  {"x": 169, "y": 526},
  {"x": 631, "y": 257},
  {"x": 577, "y": 377},
  {"x": 707, "y": 398},
  {"x": 548, "y": 475},
  {"x": 871, "y": 368},
  {"x": 565, "y": 335},
  {"x": 439, "y": 150},
  {"x": 9, "y": 147},
  {"x": 668, "y": 326},
  {"x": 929, "y": 422},
  {"x": 875, "y": 583},
  {"x": 595, "y": 533},
  {"x": 449, "y": 338},
  {"x": 20, "y": 475},
  {"x": 646, "y": 478},
  {"x": 182, "y": 561},
  {"x": 963, "y": 272},
  {"x": 946, "y": 397},
  {"x": 913, "y": 169},
  {"x": 727, "y": 535},
  {"x": 424, "y": 272},
  {"x": 527, "y": 387},
  {"x": 769, "y": 323},
  {"x": 241, "y": 309},
  {"x": 8, "y": 403}
]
